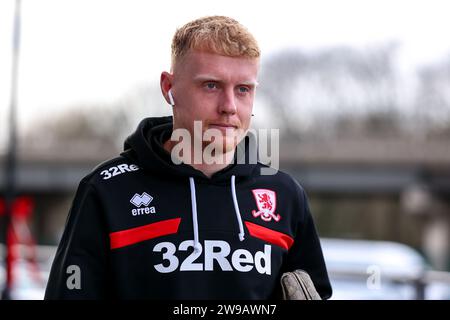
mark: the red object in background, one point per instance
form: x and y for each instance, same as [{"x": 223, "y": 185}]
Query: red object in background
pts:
[
  {"x": 23, "y": 207},
  {"x": 18, "y": 232}
]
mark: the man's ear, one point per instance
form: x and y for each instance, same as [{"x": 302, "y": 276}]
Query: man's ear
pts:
[{"x": 166, "y": 84}]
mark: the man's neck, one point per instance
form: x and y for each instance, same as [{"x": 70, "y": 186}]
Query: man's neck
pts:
[{"x": 207, "y": 169}]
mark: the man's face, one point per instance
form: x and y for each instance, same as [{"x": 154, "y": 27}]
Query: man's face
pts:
[{"x": 216, "y": 90}]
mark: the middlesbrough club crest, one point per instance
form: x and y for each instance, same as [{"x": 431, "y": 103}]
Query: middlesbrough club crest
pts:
[{"x": 266, "y": 200}]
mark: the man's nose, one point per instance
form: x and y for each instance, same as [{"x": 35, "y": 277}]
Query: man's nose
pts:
[{"x": 227, "y": 103}]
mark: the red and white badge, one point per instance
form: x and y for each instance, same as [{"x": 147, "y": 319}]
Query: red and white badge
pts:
[{"x": 266, "y": 200}]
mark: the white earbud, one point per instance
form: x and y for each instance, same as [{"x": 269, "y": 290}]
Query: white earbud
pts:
[{"x": 172, "y": 102}]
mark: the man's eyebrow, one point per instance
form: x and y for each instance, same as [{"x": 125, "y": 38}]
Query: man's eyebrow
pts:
[
  {"x": 206, "y": 77},
  {"x": 250, "y": 83}
]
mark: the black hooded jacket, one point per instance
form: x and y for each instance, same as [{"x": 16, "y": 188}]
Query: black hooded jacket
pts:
[{"x": 141, "y": 227}]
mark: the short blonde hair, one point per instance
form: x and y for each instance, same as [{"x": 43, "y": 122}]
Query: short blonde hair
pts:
[{"x": 215, "y": 34}]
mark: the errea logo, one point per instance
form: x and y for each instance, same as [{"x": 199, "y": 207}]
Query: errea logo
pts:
[
  {"x": 143, "y": 199},
  {"x": 139, "y": 200}
]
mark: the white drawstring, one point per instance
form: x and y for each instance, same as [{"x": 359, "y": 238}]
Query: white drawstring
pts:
[
  {"x": 197, "y": 246},
  {"x": 236, "y": 209},
  {"x": 194, "y": 214}
]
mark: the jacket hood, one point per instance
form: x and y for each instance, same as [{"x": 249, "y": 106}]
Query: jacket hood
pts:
[{"x": 146, "y": 145}]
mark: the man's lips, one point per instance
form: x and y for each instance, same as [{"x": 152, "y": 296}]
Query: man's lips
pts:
[{"x": 222, "y": 126}]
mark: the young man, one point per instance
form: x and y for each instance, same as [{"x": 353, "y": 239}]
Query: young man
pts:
[{"x": 164, "y": 222}]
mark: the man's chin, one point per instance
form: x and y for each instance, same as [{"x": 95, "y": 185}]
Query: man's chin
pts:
[
  {"x": 228, "y": 147},
  {"x": 223, "y": 145}
]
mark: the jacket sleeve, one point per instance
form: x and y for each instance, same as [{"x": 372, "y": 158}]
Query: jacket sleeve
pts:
[
  {"x": 306, "y": 252},
  {"x": 80, "y": 268}
]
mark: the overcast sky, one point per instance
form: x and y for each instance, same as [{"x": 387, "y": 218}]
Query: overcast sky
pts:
[{"x": 95, "y": 51}]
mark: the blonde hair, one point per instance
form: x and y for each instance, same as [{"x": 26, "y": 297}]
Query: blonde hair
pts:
[{"x": 215, "y": 34}]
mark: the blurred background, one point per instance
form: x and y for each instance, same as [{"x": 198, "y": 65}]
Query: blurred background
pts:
[{"x": 360, "y": 91}]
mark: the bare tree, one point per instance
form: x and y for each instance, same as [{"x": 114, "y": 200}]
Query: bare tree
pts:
[
  {"x": 100, "y": 126},
  {"x": 432, "y": 103},
  {"x": 308, "y": 91}
]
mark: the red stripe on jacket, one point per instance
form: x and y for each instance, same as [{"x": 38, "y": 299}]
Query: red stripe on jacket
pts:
[
  {"x": 278, "y": 238},
  {"x": 128, "y": 237}
]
